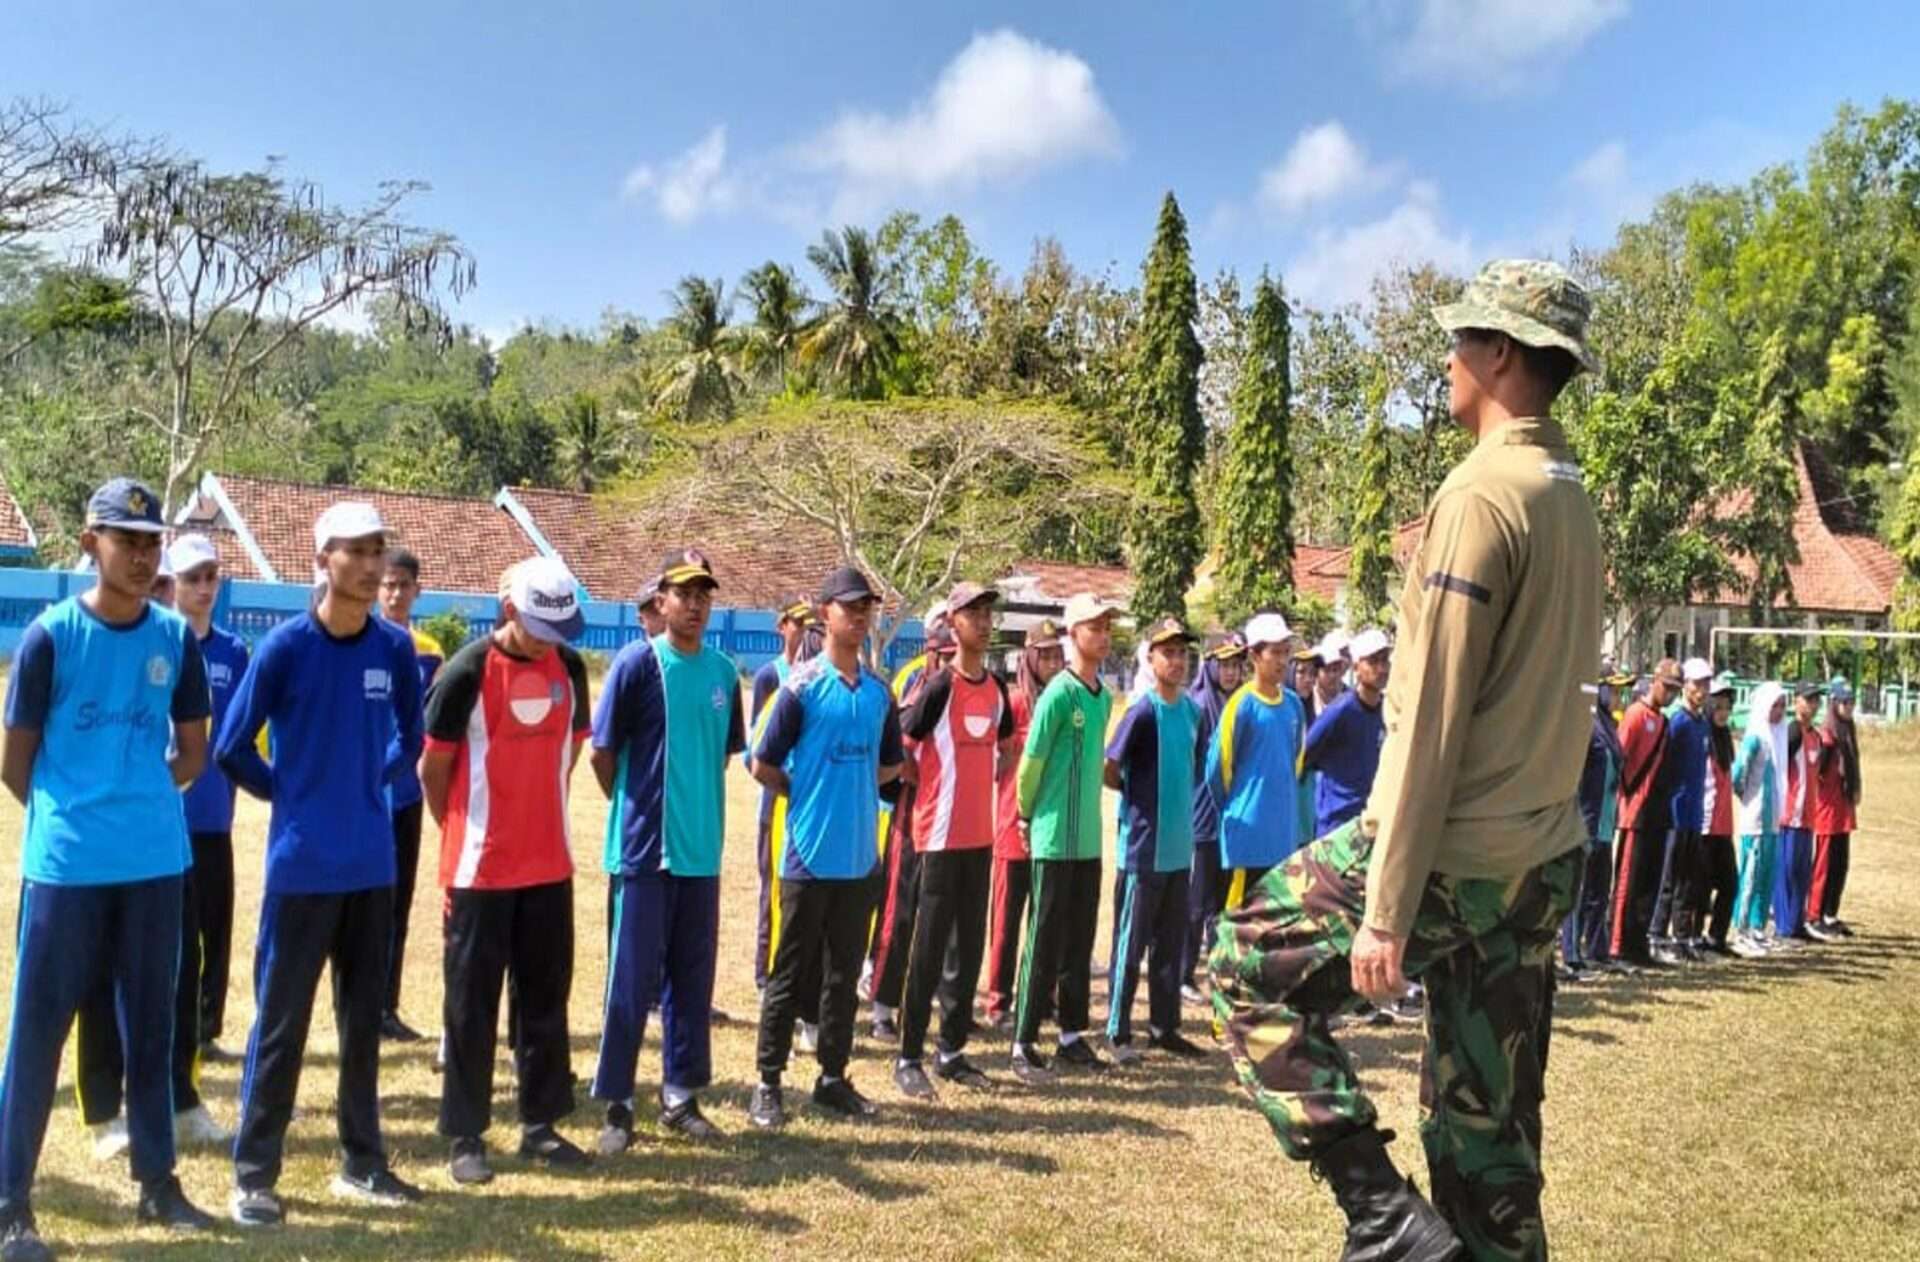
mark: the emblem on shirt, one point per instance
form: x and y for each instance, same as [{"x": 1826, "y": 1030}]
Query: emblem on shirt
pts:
[
  {"x": 159, "y": 671},
  {"x": 219, "y": 675},
  {"x": 719, "y": 700},
  {"x": 1079, "y": 719},
  {"x": 377, "y": 683},
  {"x": 530, "y": 699},
  {"x": 978, "y": 725}
]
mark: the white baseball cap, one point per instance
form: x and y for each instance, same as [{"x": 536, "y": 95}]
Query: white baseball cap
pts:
[
  {"x": 190, "y": 552},
  {"x": 349, "y": 519},
  {"x": 548, "y": 600},
  {"x": 1367, "y": 643},
  {"x": 1696, "y": 669},
  {"x": 1085, "y": 608},
  {"x": 1267, "y": 628}
]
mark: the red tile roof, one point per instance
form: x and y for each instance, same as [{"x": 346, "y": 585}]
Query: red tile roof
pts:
[
  {"x": 1843, "y": 567},
  {"x": 15, "y": 531},
  {"x": 761, "y": 562},
  {"x": 1322, "y": 571},
  {"x": 1058, "y": 581},
  {"x": 463, "y": 544}
]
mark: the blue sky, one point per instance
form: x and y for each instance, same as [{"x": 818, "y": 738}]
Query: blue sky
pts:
[{"x": 591, "y": 153}]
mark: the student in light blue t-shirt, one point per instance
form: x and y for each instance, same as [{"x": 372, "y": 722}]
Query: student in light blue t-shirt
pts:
[
  {"x": 1253, "y": 763},
  {"x": 669, "y": 720},
  {"x": 100, "y": 684}
]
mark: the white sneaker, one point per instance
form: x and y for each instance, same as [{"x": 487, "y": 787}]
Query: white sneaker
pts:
[
  {"x": 809, "y": 1037},
  {"x": 196, "y": 1126},
  {"x": 1126, "y": 1054},
  {"x": 1747, "y": 949},
  {"x": 109, "y": 1139}
]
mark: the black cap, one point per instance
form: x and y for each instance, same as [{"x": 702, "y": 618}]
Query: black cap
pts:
[
  {"x": 1810, "y": 690},
  {"x": 846, "y": 585},
  {"x": 687, "y": 565},
  {"x": 125, "y": 504}
]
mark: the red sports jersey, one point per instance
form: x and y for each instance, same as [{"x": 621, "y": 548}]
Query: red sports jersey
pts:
[
  {"x": 1802, "y": 806},
  {"x": 1833, "y": 811},
  {"x": 512, "y": 726},
  {"x": 956, "y": 724},
  {"x": 1643, "y": 742},
  {"x": 1007, "y": 841}
]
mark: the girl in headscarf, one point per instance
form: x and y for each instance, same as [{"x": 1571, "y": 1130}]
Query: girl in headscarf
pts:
[
  {"x": 1714, "y": 912},
  {"x": 1833, "y": 814},
  {"x": 1040, "y": 660},
  {"x": 1222, "y": 671},
  {"x": 1584, "y": 935},
  {"x": 1759, "y": 787}
]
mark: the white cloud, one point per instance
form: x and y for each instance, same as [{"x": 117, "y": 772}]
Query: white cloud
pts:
[
  {"x": 1324, "y": 165},
  {"x": 1003, "y": 108},
  {"x": 1490, "y": 46},
  {"x": 1341, "y": 263},
  {"x": 1602, "y": 173},
  {"x": 690, "y": 185}
]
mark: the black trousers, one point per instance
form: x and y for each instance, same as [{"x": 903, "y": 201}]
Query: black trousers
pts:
[
  {"x": 1718, "y": 886},
  {"x": 763, "y": 935},
  {"x": 1206, "y": 899},
  {"x": 299, "y": 935},
  {"x": 1151, "y": 928},
  {"x": 1680, "y": 877},
  {"x": 949, "y": 939},
  {"x": 406, "y": 855},
  {"x": 898, "y": 904},
  {"x": 213, "y": 908},
  {"x": 823, "y": 934},
  {"x": 100, "y": 1067},
  {"x": 1054, "y": 973},
  {"x": 1636, "y": 880},
  {"x": 1585, "y": 936},
  {"x": 493, "y": 934}
]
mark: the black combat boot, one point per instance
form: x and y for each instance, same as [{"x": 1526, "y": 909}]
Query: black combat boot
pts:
[{"x": 1387, "y": 1218}]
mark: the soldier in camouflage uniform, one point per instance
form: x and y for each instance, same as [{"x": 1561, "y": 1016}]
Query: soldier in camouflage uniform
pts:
[{"x": 1462, "y": 867}]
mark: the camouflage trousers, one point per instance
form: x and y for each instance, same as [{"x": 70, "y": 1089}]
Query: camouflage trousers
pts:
[{"x": 1483, "y": 948}]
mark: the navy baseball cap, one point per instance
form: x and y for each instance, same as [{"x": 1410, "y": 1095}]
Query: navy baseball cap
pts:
[
  {"x": 126, "y": 504},
  {"x": 848, "y": 586}
]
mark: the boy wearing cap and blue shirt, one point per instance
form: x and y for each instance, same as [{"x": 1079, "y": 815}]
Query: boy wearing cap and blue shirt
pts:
[
  {"x": 505, "y": 721},
  {"x": 668, "y": 721},
  {"x": 1253, "y": 762},
  {"x": 830, "y": 743},
  {"x": 1061, "y": 772},
  {"x": 1343, "y": 744},
  {"x": 1151, "y": 761},
  {"x": 342, "y": 692},
  {"x": 96, "y": 682}
]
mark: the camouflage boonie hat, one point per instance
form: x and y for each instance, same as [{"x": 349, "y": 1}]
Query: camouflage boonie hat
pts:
[{"x": 1532, "y": 301}]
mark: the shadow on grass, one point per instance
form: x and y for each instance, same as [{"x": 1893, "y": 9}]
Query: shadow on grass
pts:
[{"x": 505, "y": 1221}]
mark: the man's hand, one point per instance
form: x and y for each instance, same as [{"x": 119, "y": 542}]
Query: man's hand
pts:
[{"x": 1376, "y": 966}]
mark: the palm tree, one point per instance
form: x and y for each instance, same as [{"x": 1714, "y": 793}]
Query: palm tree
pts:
[
  {"x": 700, "y": 381},
  {"x": 587, "y": 442},
  {"x": 857, "y": 335},
  {"x": 779, "y": 303}
]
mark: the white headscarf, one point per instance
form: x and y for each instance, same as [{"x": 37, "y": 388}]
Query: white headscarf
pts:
[{"x": 1759, "y": 706}]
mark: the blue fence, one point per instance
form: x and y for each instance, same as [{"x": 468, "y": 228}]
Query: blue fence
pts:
[{"x": 250, "y": 610}]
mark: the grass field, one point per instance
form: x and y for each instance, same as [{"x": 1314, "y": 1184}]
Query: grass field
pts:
[{"x": 1755, "y": 1110}]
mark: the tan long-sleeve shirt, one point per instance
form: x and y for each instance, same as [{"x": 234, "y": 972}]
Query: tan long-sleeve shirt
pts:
[{"x": 1491, "y": 702}]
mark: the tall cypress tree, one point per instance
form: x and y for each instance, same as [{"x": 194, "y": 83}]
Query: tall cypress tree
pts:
[
  {"x": 1372, "y": 558},
  {"x": 1166, "y": 436},
  {"x": 1255, "y": 526}
]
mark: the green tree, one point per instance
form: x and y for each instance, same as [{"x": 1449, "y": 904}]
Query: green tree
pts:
[
  {"x": 856, "y": 337},
  {"x": 587, "y": 443},
  {"x": 1166, "y": 436},
  {"x": 702, "y": 380},
  {"x": 1254, "y": 517},
  {"x": 1370, "y": 566},
  {"x": 780, "y": 305}
]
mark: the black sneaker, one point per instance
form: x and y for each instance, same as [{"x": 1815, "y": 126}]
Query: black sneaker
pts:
[
  {"x": 1667, "y": 957},
  {"x": 162, "y": 1202},
  {"x": 686, "y": 1119},
  {"x": 394, "y": 1030},
  {"x": 551, "y": 1149},
  {"x": 1179, "y": 1044},
  {"x": 839, "y": 1096},
  {"x": 382, "y": 1187},
  {"x": 1839, "y": 926},
  {"x": 256, "y": 1207},
  {"x": 20, "y": 1238},
  {"x": 768, "y": 1110},
  {"x": 911, "y": 1078},
  {"x": 1080, "y": 1055},
  {"x": 1819, "y": 932},
  {"x": 468, "y": 1165},
  {"x": 1029, "y": 1066},
  {"x": 962, "y": 1071},
  {"x": 886, "y": 1030},
  {"x": 617, "y": 1135}
]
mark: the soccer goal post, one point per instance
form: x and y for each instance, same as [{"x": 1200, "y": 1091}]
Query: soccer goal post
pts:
[{"x": 1876, "y": 663}]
